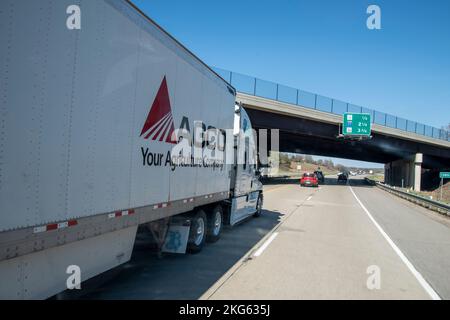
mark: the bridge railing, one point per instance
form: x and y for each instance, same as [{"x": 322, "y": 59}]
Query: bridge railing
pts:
[{"x": 270, "y": 90}]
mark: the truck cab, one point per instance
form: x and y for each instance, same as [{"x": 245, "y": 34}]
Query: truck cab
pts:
[{"x": 245, "y": 183}]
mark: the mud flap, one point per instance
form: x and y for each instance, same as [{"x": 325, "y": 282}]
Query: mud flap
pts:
[{"x": 177, "y": 236}]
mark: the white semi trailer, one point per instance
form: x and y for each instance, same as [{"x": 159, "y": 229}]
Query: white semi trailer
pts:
[{"x": 92, "y": 94}]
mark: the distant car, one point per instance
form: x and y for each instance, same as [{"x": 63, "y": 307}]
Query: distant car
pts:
[
  {"x": 320, "y": 176},
  {"x": 309, "y": 180},
  {"x": 342, "y": 177}
]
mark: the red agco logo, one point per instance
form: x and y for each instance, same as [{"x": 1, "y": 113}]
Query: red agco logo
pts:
[{"x": 159, "y": 125}]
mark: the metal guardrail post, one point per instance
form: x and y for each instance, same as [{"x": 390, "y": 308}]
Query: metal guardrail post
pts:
[
  {"x": 332, "y": 103},
  {"x": 315, "y": 101},
  {"x": 277, "y": 92},
  {"x": 296, "y": 101}
]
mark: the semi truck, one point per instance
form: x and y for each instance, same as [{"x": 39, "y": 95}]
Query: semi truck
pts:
[{"x": 95, "y": 100}]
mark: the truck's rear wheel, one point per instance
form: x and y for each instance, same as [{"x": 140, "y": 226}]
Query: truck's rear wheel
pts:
[
  {"x": 259, "y": 205},
  {"x": 197, "y": 232},
  {"x": 215, "y": 223}
]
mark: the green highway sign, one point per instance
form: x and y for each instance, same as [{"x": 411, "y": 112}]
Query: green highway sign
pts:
[
  {"x": 356, "y": 124},
  {"x": 444, "y": 175}
]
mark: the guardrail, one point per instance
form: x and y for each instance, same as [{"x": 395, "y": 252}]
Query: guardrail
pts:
[
  {"x": 437, "y": 206},
  {"x": 271, "y": 90}
]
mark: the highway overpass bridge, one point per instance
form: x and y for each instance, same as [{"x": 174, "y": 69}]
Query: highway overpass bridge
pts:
[{"x": 310, "y": 124}]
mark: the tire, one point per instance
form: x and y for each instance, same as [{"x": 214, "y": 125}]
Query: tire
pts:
[
  {"x": 197, "y": 232},
  {"x": 215, "y": 224},
  {"x": 259, "y": 205}
]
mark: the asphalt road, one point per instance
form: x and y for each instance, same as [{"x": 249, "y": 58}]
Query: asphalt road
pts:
[
  {"x": 309, "y": 243},
  {"x": 174, "y": 276},
  {"x": 421, "y": 234}
]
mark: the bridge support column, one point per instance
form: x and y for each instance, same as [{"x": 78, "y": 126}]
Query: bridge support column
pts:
[
  {"x": 404, "y": 172},
  {"x": 387, "y": 173},
  {"x": 417, "y": 171}
]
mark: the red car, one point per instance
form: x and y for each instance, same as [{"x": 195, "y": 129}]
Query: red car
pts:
[{"x": 309, "y": 179}]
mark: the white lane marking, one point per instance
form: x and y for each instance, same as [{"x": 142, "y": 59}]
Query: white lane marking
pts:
[
  {"x": 405, "y": 260},
  {"x": 309, "y": 198},
  {"x": 265, "y": 245}
]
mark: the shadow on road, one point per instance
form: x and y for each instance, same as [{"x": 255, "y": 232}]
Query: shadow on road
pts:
[
  {"x": 334, "y": 182},
  {"x": 354, "y": 182},
  {"x": 147, "y": 276},
  {"x": 360, "y": 183},
  {"x": 275, "y": 181}
]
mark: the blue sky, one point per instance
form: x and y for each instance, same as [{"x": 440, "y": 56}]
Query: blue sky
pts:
[{"x": 325, "y": 47}]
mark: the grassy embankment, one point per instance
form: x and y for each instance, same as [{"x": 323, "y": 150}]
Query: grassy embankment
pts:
[
  {"x": 434, "y": 194},
  {"x": 377, "y": 177}
]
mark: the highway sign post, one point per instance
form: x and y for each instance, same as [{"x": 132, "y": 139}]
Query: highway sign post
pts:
[
  {"x": 356, "y": 124},
  {"x": 443, "y": 175}
]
